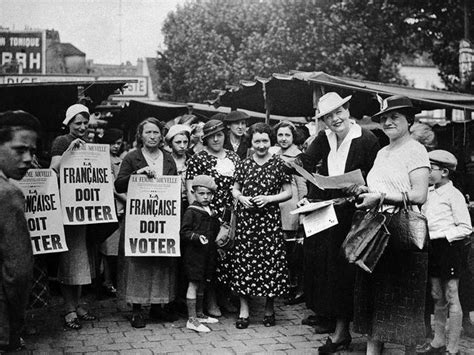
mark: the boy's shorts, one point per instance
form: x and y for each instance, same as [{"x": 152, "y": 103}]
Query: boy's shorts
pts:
[{"x": 446, "y": 259}]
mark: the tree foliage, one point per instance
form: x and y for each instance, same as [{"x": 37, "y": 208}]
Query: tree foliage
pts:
[{"x": 212, "y": 43}]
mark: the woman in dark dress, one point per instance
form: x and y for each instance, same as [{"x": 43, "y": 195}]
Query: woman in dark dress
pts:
[
  {"x": 328, "y": 278},
  {"x": 220, "y": 164},
  {"x": 146, "y": 279},
  {"x": 259, "y": 266}
]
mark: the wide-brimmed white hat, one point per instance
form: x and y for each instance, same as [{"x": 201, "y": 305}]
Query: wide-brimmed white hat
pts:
[
  {"x": 329, "y": 102},
  {"x": 73, "y": 110}
]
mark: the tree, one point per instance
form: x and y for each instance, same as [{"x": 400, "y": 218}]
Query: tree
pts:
[{"x": 213, "y": 43}]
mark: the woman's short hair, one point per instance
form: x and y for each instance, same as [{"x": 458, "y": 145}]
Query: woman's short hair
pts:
[
  {"x": 261, "y": 128},
  {"x": 285, "y": 124},
  {"x": 140, "y": 126}
]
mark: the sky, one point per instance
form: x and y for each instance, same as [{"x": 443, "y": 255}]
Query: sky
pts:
[{"x": 93, "y": 26}]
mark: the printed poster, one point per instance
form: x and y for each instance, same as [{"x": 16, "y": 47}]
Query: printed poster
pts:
[
  {"x": 152, "y": 218},
  {"x": 86, "y": 181},
  {"x": 43, "y": 211}
]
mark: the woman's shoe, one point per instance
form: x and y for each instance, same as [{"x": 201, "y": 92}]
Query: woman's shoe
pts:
[
  {"x": 330, "y": 347},
  {"x": 71, "y": 321},
  {"x": 137, "y": 321},
  {"x": 82, "y": 314},
  {"x": 242, "y": 323},
  {"x": 269, "y": 321}
]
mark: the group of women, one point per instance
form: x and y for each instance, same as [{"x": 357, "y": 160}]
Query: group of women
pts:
[{"x": 265, "y": 189}]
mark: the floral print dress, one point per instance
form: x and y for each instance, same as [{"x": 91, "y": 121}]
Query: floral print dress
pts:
[
  {"x": 222, "y": 170},
  {"x": 259, "y": 266}
]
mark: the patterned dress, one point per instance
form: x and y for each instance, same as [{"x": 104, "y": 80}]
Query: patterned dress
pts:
[
  {"x": 259, "y": 261},
  {"x": 222, "y": 170}
]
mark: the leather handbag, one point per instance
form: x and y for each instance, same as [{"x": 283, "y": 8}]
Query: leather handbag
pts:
[
  {"x": 409, "y": 228},
  {"x": 225, "y": 237},
  {"x": 367, "y": 238}
]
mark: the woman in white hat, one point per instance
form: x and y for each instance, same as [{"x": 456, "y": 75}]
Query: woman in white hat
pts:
[
  {"x": 76, "y": 265},
  {"x": 329, "y": 280}
]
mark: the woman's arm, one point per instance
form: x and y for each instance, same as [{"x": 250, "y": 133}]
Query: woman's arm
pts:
[
  {"x": 126, "y": 169},
  {"x": 237, "y": 194},
  {"x": 417, "y": 195},
  {"x": 284, "y": 195},
  {"x": 189, "y": 187}
]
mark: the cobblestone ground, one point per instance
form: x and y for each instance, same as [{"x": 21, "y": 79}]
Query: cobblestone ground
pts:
[{"x": 112, "y": 334}]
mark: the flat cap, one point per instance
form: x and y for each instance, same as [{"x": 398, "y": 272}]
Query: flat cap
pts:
[
  {"x": 443, "y": 159},
  {"x": 205, "y": 181}
]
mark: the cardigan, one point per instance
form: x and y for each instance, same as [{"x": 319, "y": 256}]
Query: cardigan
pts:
[{"x": 134, "y": 161}]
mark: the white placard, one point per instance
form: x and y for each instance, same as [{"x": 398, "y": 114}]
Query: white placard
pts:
[
  {"x": 319, "y": 220},
  {"x": 86, "y": 181},
  {"x": 153, "y": 216},
  {"x": 43, "y": 211}
]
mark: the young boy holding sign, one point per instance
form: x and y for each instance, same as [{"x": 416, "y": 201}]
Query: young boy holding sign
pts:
[{"x": 199, "y": 228}]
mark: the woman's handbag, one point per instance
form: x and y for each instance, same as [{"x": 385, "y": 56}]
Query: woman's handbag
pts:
[
  {"x": 367, "y": 238},
  {"x": 409, "y": 229},
  {"x": 226, "y": 235}
]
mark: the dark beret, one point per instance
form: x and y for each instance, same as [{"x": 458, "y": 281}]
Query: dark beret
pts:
[{"x": 19, "y": 118}]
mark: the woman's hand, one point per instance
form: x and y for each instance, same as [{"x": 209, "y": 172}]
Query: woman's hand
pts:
[
  {"x": 304, "y": 201},
  {"x": 261, "y": 200},
  {"x": 355, "y": 190},
  {"x": 150, "y": 173},
  {"x": 203, "y": 239},
  {"x": 368, "y": 200},
  {"x": 246, "y": 201},
  {"x": 76, "y": 143}
]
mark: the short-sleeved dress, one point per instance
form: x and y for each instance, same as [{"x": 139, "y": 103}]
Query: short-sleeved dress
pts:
[
  {"x": 222, "y": 170},
  {"x": 259, "y": 266},
  {"x": 76, "y": 266},
  {"x": 389, "y": 303}
]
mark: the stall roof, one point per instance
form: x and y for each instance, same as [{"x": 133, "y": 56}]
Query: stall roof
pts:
[
  {"x": 166, "y": 110},
  {"x": 295, "y": 94},
  {"x": 49, "y": 100}
]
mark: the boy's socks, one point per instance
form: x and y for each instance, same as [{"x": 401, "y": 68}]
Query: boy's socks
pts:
[
  {"x": 191, "y": 305},
  {"x": 200, "y": 305}
]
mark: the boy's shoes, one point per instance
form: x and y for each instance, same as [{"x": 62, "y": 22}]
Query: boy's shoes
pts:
[
  {"x": 194, "y": 324},
  {"x": 208, "y": 320}
]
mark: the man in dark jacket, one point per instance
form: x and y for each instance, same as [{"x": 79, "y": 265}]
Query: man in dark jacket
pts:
[{"x": 18, "y": 134}]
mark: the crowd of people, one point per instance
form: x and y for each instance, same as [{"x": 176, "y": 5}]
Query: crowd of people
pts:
[{"x": 243, "y": 176}]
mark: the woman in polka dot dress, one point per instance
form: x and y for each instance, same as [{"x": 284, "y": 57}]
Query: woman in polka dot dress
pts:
[{"x": 259, "y": 261}]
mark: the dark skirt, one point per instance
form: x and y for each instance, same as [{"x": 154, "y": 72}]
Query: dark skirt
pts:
[
  {"x": 328, "y": 277},
  {"x": 389, "y": 304}
]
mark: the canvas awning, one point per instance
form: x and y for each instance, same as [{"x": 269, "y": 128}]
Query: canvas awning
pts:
[
  {"x": 296, "y": 94},
  {"x": 49, "y": 100},
  {"x": 139, "y": 109}
]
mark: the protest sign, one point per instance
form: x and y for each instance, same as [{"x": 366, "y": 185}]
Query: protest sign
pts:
[
  {"x": 43, "y": 211},
  {"x": 87, "y": 191},
  {"x": 152, "y": 218}
]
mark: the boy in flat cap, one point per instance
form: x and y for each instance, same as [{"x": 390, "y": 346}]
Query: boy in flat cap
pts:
[
  {"x": 18, "y": 134},
  {"x": 199, "y": 228},
  {"x": 449, "y": 224}
]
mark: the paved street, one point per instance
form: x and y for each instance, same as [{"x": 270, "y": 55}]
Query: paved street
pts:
[{"x": 112, "y": 334}]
